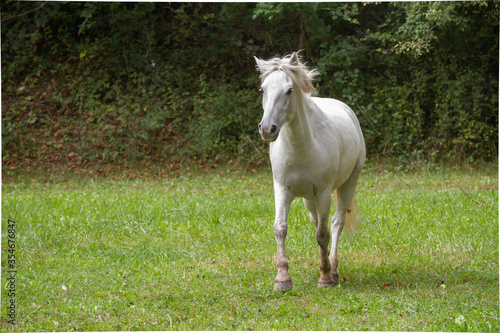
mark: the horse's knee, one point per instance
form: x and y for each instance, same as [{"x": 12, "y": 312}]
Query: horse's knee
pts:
[
  {"x": 280, "y": 231},
  {"x": 323, "y": 236}
]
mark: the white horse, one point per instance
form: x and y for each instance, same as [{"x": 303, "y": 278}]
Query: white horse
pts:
[{"x": 316, "y": 147}]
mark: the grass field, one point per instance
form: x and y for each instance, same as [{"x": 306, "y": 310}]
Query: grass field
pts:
[{"x": 196, "y": 253}]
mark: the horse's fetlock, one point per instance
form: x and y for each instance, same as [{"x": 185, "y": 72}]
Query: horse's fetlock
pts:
[
  {"x": 325, "y": 267},
  {"x": 282, "y": 263}
]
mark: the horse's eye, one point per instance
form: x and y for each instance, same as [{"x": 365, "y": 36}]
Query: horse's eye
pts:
[
  {"x": 261, "y": 90},
  {"x": 289, "y": 91}
]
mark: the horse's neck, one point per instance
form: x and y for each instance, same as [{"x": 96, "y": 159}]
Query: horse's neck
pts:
[{"x": 299, "y": 130}]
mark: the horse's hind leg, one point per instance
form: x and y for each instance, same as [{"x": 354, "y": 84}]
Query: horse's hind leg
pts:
[
  {"x": 311, "y": 207},
  {"x": 345, "y": 197}
]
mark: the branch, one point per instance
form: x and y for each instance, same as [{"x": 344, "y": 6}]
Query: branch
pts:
[
  {"x": 29, "y": 11},
  {"x": 369, "y": 120},
  {"x": 254, "y": 146},
  {"x": 469, "y": 197}
]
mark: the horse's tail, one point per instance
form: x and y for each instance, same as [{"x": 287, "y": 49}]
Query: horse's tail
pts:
[{"x": 352, "y": 216}]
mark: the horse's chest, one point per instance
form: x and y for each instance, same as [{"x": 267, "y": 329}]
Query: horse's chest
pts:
[
  {"x": 305, "y": 174},
  {"x": 302, "y": 182},
  {"x": 301, "y": 186}
]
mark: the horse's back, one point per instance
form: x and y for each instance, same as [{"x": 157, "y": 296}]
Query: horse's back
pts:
[
  {"x": 339, "y": 113},
  {"x": 335, "y": 109}
]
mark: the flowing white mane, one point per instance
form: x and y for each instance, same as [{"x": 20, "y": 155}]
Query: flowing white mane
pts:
[{"x": 292, "y": 65}]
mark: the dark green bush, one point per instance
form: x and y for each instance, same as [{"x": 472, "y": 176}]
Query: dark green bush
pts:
[{"x": 174, "y": 81}]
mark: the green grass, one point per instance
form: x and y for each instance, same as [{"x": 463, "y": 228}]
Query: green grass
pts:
[{"x": 196, "y": 253}]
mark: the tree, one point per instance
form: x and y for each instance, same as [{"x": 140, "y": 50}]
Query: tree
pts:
[{"x": 103, "y": 81}]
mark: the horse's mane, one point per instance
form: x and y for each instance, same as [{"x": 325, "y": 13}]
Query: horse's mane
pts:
[{"x": 293, "y": 66}]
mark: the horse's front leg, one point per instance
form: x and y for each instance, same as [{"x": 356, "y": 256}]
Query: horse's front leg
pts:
[{"x": 283, "y": 281}]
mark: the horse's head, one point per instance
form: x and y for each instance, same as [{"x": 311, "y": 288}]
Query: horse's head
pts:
[
  {"x": 276, "y": 91},
  {"x": 283, "y": 81}
]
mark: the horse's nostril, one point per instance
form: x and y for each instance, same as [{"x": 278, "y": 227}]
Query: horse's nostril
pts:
[
  {"x": 260, "y": 126},
  {"x": 274, "y": 128}
]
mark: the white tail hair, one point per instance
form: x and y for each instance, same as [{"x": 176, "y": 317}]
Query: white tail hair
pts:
[{"x": 351, "y": 217}]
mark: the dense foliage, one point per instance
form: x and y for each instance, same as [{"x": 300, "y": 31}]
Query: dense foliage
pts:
[{"x": 86, "y": 81}]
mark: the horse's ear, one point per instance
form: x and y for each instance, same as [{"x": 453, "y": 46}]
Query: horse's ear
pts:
[
  {"x": 260, "y": 64},
  {"x": 295, "y": 60}
]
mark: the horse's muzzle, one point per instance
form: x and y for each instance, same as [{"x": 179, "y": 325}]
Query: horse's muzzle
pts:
[{"x": 269, "y": 133}]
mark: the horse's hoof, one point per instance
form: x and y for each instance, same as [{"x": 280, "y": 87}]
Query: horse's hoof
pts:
[
  {"x": 283, "y": 286},
  {"x": 326, "y": 284},
  {"x": 335, "y": 278}
]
